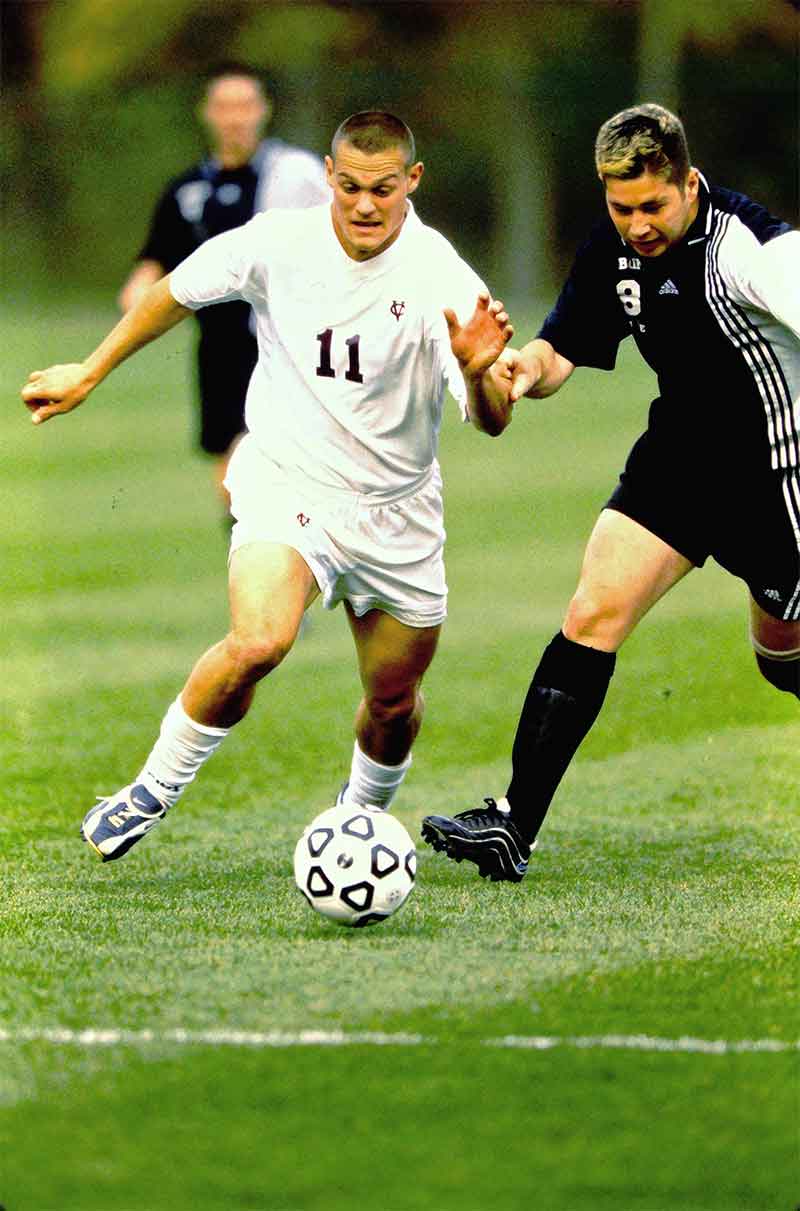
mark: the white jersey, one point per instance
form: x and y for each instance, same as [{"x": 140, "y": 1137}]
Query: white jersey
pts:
[{"x": 354, "y": 356}]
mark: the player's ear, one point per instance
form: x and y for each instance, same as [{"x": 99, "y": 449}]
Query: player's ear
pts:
[
  {"x": 329, "y": 170},
  {"x": 414, "y": 175},
  {"x": 692, "y": 184}
]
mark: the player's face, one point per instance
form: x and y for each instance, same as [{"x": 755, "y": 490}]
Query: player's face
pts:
[
  {"x": 652, "y": 214},
  {"x": 369, "y": 197},
  {"x": 235, "y": 111}
]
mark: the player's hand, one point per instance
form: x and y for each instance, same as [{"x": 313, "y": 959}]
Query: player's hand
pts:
[
  {"x": 524, "y": 373},
  {"x": 480, "y": 341},
  {"x": 58, "y": 389}
]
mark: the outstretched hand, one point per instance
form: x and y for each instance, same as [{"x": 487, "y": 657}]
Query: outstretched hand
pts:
[
  {"x": 58, "y": 389},
  {"x": 479, "y": 343}
]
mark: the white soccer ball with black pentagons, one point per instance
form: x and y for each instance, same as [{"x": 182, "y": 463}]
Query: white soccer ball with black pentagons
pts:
[{"x": 356, "y": 865}]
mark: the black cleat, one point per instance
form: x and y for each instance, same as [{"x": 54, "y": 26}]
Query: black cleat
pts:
[{"x": 486, "y": 836}]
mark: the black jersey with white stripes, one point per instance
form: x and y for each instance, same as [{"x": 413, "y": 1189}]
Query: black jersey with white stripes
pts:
[
  {"x": 203, "y": 202},
  {"x": 199, "y": 204},
  {"x": 716, "y": 316},
  {"x": 209, "y": 199}
]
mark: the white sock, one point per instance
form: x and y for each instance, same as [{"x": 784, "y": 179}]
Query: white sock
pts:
[
  {"x": 372, "y": 783},
  {"x": 182, "y": 747}
]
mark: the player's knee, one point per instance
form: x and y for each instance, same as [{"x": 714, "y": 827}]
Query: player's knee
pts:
[
  {"x": 255, "y": 654},
  {"x": 394, "y": 707},
  {"x": 781, "y": 669},
  {"x": 603, "y": 621}
]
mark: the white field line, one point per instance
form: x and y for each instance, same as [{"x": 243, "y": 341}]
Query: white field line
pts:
[
  {"x": 644, "y": 1042},
  {"x": 341, "y": 1038}
]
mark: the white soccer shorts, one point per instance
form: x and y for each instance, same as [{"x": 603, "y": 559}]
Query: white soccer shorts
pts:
[{"x": 386, "y": 555}]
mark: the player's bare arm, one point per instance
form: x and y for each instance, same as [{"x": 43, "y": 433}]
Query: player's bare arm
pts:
[
  {"x": 478, "y": 345},
  {"x": 536, "y": 370},
  {"x": 143, "y": 275},
  {"x": 61, "y": 388}
]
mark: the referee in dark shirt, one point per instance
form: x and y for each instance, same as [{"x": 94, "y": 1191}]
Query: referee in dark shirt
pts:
[
  {"x": 708, "y": 284},
  {"x": 244, "y": 174}
]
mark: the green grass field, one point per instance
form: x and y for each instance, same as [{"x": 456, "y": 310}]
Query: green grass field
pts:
[{"x": 662, "y": 901}]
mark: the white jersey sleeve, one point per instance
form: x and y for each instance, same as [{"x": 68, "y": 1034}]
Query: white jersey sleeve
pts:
[
  {"x": 764, "y": 276},
  {"x": 456, "y": 286},
  {"x": 229, "y": 266}
]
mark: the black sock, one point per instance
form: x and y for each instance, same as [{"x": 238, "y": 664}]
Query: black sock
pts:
[
  {"x": 781, "y": 672},
  {"x": 564, "y": 699}
]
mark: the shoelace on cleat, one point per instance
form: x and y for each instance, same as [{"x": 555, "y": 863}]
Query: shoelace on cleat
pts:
[{"x": 485, "y": 815}]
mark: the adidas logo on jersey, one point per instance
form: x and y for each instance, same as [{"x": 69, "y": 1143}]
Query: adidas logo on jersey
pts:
[{"x": 669, "y": 287}]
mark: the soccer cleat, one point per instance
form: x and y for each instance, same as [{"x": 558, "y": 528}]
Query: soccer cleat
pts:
[
  {"x": 486, "y": 836},
  {"x": 118, "y": 822}
]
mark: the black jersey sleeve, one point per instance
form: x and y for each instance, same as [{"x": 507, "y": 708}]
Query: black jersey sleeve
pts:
[
  {"x": 170, "y": 238},
  {"x": 587, "y": 322},
  {"x": 763, "y": 225}
]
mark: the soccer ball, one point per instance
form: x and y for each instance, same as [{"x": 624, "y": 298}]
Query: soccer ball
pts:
[{"x": 356, "y": 865}]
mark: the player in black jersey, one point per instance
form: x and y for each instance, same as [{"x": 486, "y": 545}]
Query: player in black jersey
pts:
[
  {"x": 244, "y": 174},
  {"x": 708, "y": 284}
]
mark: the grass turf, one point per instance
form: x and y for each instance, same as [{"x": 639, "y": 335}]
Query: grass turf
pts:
[{"x": 662, "y": 900}]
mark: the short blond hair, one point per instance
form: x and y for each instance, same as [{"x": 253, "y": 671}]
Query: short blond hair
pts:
[{"x": 644, "y": 138}]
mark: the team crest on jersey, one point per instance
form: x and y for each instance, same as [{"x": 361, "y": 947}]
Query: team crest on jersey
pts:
[
  {"x": 229, "y": 193},
  {"x": 191, "y": 199},
  {"x": 397, "y": 309}
]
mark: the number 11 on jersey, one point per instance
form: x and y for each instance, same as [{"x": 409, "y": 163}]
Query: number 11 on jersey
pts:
[{"x": 326, "y": 370}]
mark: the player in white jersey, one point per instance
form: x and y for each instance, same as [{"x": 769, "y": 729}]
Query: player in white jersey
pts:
[
  {"x": 364, "y": 318},
  {"x": 354, "y": 354}
]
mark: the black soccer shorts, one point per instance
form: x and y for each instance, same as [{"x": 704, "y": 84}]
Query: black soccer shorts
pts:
[
  {"x": 745, "y": 518},
  {"x": 226, "y": 358}
]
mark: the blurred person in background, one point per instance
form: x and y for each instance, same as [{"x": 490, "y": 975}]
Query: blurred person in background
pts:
[
  {"x": 708, "y": 284},
  {"x": 244, "y": 174}
]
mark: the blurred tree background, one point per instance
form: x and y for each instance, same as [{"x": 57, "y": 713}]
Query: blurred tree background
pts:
[{"x": 504, "y": 96}]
